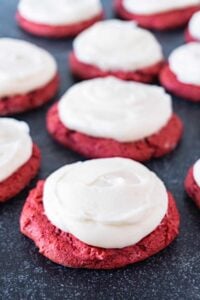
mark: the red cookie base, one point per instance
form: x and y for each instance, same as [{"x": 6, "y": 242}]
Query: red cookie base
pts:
[
  {"x": 189, "y": 38},
  {"x": 156, "y": 145},
  {"x": 85, "y": 71},
  {"x": 162, "y": 21},
  {"x": 20, "y": 103},
  {"x": 64, "y": 249},
  {"x": 192, "y": 189},
  {"x": 60, "y": 31},
  {"x": 14, "y": 184},
  {"x": 187, "y": 91}
]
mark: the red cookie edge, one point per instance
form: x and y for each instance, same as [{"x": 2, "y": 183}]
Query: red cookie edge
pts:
[
  {"x": 187, "y": 91},
  {"x": 191, "y": 187},
  {"x": 65, "y": 249},
  {"x": 14, "y": 184},
  {"x": 24, "y": 102},
  {"x": 86, "y": 71},
  {"x": 155, "y": 145},
  {"x": 189, "y": 38},
  {"x": 161, "y": 21},
  {"x": 60, "y": 31}
]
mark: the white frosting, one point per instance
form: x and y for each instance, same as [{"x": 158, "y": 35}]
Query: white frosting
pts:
[
  {"x": 15, "y": 146},
  {"x": 196, "y": 172},
  {"x": 194, "y": 25},
  {"x": 59, "y": 12},
  {"x": 117, "y": 45},
  {"x": 148, "y": 7},
  {"x": 112, "y": 108},
  {"x": 184, "y": 62},
  {"x": 23, "y": 67},
  {"x": 109, "y": 203}
]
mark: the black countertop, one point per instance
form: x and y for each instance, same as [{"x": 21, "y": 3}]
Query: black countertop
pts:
[{"x": 172, "y": 274}]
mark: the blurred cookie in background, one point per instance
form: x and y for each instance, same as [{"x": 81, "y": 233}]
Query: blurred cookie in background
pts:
[
  {"x": 157, "y": 14},
  {"x": 29, "y": 76},
  {"x": 58, "y": 19},
  {"x": 192, "y": 183},
  {"x": 116, "y": 48},
  {"x": 181, "y": 75}
]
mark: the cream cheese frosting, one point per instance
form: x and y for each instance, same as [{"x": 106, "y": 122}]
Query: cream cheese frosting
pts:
[
  {"x": 196, "y": 172},
  {"x": 24, "y": 67},
  {"x": 194, "y": 26},
  {"x": 112, "y": 108},
  {"x": 149, "y": 7},
  {"x": 108, "y": 203},
  {"x": 184, "y": 62},
  {"x": 117, "y": 45},
  {"x": 15, "y": 146},
  {"x": 59, "y": 12}
]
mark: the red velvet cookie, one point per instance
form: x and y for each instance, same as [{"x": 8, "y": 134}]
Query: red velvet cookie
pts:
[
  {"x": 29, "y": 76},
  {"x": 61, "y": 31},
  {"x": 24, "y": 102},
  {"x": 191, "y": 187},
  {"x": 85, "y": 71},
  {"x": 21, "y": 178},
  {"x": 159, "y": 21},
  {"x": 92, "y": 58},
  {"x": 65, "y": 249},
  {"x": 156, "y": 145},
  {"x": 187, "y": 91}
]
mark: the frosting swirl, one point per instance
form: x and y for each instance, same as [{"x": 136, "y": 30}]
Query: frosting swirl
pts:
[
  {"x": 23, "y": 67},
  {"x": 101, "y": 45},
  {"x": 112, "y": 108},
  {"x": 15, "y": 146},
  {"x": 109, "y": 203}
]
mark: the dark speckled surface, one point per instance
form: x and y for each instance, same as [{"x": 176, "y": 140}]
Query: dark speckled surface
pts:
[{"x": 172, "y": 274}]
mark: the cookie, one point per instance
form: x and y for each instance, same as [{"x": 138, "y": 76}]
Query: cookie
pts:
[
  {"x": 20, "y": 158},
  {"x": 138, "y": 58},
  {"x": 51, "y": 19},
  {"x": 133, "y": 242},
  {"x": 99, "y": 129},
  {"x": 157, "y": 15},
  {"x": 29, "y": 76},
  {"x": 192, "y": 34},
  {"x": 181, "y": 76},
  {"x": 192, "y": 183}
]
